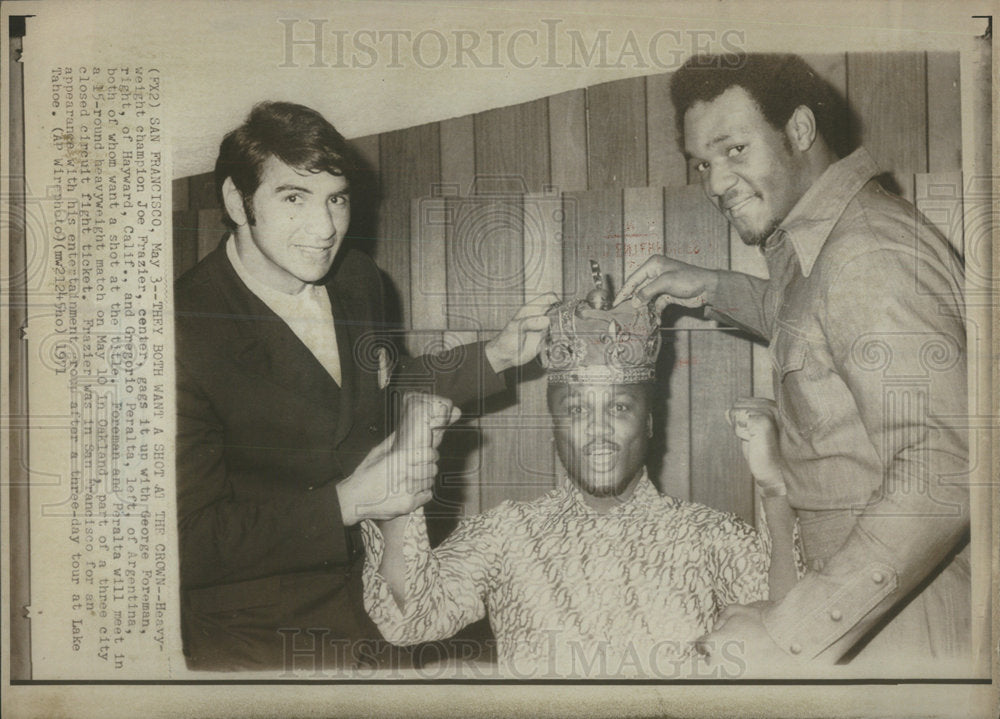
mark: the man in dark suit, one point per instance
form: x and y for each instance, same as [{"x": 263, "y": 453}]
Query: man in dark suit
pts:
[{"x": 284, "y": 432}]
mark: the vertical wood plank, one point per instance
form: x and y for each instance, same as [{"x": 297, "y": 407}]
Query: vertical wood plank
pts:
[
  {"x": 568, "y": 140},
  {"x": 944, "y": 112},
  {"x": 485, "y": 266},
  {"x": 697, "y": 233},
  {"x": 409, "y": 167},
  {"x": 666, "y": 163},
  {"x": 201, "y": 192},
  {"x": 543, "y": 244},
  {"x": 669, "y": 460},
  {"x": 939, "y": 199},
  {"x": 643, "y": 226},
  {"x": 512, "y": 148},
  {"x": 179, "y": 194},
  {"x": 616, "y": 134},
  {"x": 456, "y": 493},
  {"x": 888, "y": 92},
  {"x": 719, "y": 363},
  {"x": 210, "y": 230},
  {"x": 366, "y": 205},
  {"x": 367, "y": 148},
  {"x": 410, "y": 161},
  {"x": 518, "y": 460},
  {"x": 458, "y": 155},
  {"x": 720, "y": 373},
  {"x": 428, "y": 281},
  {"x": 391, "y": 252},
  {"x": 596, "y": 234},
  {"x": 185, "y": 234}
]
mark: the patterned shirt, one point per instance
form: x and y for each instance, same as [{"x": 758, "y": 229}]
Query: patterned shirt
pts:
[{"x": 570, "y": 591}]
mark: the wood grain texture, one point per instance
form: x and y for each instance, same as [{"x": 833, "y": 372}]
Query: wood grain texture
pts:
[
  {"x": 201, "y": 191},
  {"x": 697, "y": 233},
  {"x": 720, "y": 373},
  {"x": 210, "y": 230},
  {"x": 485, "y": 265},
  {"x": 670, "y": 448},
  {"x": 458, "y": 156},
  {"x": 643, "y": 226},
  {"x": 888, "y": 92},
  {"x": 427, "y": 284},
  {"x": 543, "y": 244},
  {"x": 367, "y": 148},
  {"x": 568, "y": 140},
  {"x": 410, "y": 162},
  {"x": 666, "y": 164},
  {"x": 512, "y": 148},
  {"x": 391, "y": 252},
  {"x": 185, "y": 241},
  {"x": 456, "y": 493},
  {"x": 180, "y": 194},
  {"x": 616, "y": 134},
  {"x": 518, "y": 460},
  {"x": 595, "y": 234},
  {"x": 944, "y": 112}
]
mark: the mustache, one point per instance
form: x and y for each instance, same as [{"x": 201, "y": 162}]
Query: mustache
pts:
[{"x": 596, "y": 445}]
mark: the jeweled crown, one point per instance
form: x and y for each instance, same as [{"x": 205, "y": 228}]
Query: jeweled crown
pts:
[{"x": 588, "y": 344}]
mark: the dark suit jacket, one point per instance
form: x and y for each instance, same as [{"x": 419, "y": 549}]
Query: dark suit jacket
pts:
[{"x": 263, "y": 436}]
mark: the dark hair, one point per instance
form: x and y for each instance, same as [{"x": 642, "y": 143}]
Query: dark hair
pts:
[
  {"x": 297, "y": 135},
  {"x": 777, "y": 83}
]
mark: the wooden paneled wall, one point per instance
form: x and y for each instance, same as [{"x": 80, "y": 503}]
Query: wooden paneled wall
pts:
[{"x": 479, "y": 213}]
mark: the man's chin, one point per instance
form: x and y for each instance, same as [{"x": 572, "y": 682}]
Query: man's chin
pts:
[
  {"x": 601, "y": 487},
  {"x": 754, "y": 237}
]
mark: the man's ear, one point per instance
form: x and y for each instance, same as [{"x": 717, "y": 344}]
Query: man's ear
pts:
[
  {"x": 233, "y": 200},
  {"x": 801, "y": 128}
]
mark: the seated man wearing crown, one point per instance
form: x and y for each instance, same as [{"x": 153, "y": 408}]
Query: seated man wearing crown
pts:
[{"x": 604, "y": 576}]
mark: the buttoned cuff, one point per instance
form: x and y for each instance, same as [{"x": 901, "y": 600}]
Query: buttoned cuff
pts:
[{"x": 821, "y": 608}]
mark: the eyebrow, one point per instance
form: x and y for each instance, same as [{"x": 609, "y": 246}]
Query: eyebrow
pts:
[
  {"x": 306, "y": 190},
  {"x": 711, "y": 143}
]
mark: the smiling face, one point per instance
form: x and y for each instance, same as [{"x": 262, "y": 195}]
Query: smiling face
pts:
[
  {"x": 751, "y": 170},
  {"x": 601, "y": 434},
  {"x": 298, "y": 223}
]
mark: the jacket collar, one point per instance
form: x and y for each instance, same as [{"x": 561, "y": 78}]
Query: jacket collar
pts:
[
  {"x": 267, "y": 347},
  {"x": 814, "y": 216}
]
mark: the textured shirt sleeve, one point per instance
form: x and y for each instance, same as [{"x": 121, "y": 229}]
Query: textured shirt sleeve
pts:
[
  {"x": 739, "y": 300},
  {"x": 739, "y": 562},
  {"x": 893, "y": 321},
  {"x": 446, "y": 588}
]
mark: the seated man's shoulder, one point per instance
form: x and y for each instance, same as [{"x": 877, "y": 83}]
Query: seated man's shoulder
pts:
[{"x": 705, "y": 517}]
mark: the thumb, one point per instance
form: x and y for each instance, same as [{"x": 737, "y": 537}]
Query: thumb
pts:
[{"x": 381, "y": 449}]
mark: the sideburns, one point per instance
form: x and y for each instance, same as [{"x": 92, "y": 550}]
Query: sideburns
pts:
[{"x": 248, "y": 211}]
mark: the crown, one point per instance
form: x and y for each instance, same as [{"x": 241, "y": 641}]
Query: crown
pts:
[{"x": 589, "y": 344}]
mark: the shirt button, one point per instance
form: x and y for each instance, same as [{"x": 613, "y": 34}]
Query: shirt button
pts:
[
  {"x": 836, "y": 615},
  {"x": 878, "y": 577},
  {"x": 795, "y": 649},
  {"x": 310, "y": 488}
]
